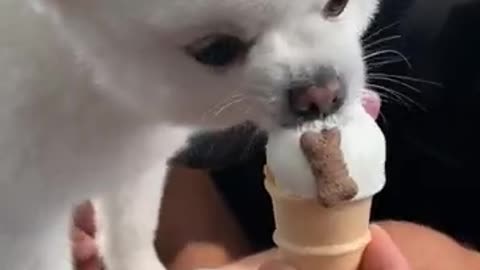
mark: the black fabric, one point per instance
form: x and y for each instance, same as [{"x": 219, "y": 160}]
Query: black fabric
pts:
[
  {"x": 435, "y": 150},
  {"x": 432, "y": 138}
]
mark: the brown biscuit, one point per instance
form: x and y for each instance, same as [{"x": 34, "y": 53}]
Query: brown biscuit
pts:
[{"x": 322, "y": 150}]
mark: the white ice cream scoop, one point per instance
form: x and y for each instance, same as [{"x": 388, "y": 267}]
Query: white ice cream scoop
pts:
[{"x": 364, "y": 152}]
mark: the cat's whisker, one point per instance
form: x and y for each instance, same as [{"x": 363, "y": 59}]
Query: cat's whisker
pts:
[
  {"x": 383, "y": 52},
  {"x": 384, "y": 63},
  {"x": 380, "y": 78},
  {"x": 227, "y": 106},
  {"x": 217, "y": 106},
  {"x": 401, "y": 98},
  {"x": 379, "y": 31},
  {"x": 380, "y": 41},
  {"x": 407, "y": 78}
]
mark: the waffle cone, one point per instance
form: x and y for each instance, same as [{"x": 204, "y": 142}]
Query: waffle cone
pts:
[{"x": 313, "y": 237}]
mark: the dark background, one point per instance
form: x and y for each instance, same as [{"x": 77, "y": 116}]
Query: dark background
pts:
[{"x": 432, "y": 136}]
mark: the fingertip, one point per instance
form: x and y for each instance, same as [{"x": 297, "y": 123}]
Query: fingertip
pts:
[
  {"x": 382, "y": 253},
  {"x": 84, "y": 247},
  {"x": 91, "y": 264},
  {"x": 84, "y": 218},
  {"x": 379, "y": 233},
  {"x": 275, "y": 265}
]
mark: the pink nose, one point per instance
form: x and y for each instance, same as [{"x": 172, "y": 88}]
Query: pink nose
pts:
[{"x": 315, "y": 101}]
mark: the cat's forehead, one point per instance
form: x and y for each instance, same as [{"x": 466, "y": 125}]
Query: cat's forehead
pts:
[{"x": 185, "y": 13}]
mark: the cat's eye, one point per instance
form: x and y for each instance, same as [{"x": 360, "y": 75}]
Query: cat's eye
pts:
[
  {"x": 334, "y": 8},
  {"x": 218, "y": 50}
]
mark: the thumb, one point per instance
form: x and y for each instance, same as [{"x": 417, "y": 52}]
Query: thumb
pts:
[
  {"x": 382, "y": 253},
  {"x": 275, "y": 265}
]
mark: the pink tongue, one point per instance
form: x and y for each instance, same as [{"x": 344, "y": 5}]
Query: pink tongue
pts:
[{"x": 371, "y": 102}]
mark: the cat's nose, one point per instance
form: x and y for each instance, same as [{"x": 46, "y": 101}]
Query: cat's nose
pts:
[{"x": 310, "y": 102}]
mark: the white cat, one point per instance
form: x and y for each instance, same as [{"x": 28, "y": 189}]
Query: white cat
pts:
[{"x": 95, "y": 95}]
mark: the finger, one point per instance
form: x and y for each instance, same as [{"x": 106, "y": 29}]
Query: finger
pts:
[
  {"x": 253, "y": 262},
  {"x": 84, "y": 246},
  {"x": 275, "y": 265},
  {"x": 92, "y": 264},
  {"x": 84, "y": 218},
  {"x": 371, "y": 102},
  {"x": 382, "y": 253}
]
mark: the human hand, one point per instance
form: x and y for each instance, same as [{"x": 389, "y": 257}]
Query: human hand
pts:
[
  {"x": 380, "y": 254},
  {"x": 85, "y": 253}
]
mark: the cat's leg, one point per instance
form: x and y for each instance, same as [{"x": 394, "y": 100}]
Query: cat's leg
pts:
[
  {"x": 39, "y": 242},
  {"x": 127, "y": 218},
  {"x": 127, "y": 221}
]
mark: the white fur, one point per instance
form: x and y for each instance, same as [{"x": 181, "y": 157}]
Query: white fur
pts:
[{"x": 95, "y": 95}]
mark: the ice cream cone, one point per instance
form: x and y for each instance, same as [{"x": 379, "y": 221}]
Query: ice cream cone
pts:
[{"x": 313, "y": 237}]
